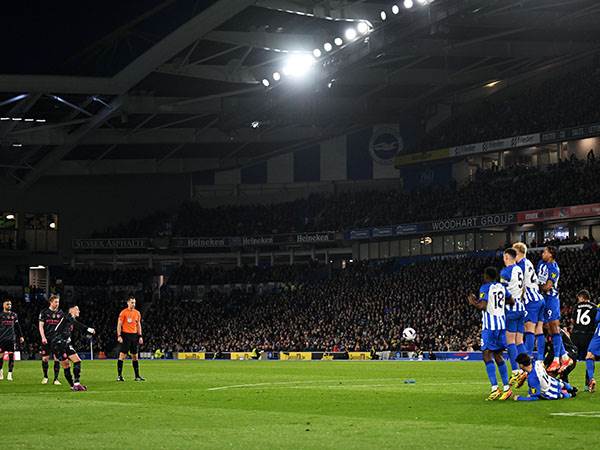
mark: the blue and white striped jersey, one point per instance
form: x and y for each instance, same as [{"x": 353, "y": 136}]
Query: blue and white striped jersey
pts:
[
  {"x": 512, "y": 277},
  {"x": 549, "y": 271},
  {"x": 495, "y": 294},
  {"x": 532, "y": 288}
]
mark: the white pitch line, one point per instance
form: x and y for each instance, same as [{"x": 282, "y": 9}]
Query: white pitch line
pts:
[
  {"x": 587, "y": 414},
  {"x": 346, "y": 384}
]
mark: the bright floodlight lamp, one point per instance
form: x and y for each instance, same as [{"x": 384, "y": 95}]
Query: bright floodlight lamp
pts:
[
  {"x": 350, "y": 34},
  {"x": 297, "y": 65},
  {"x": 338, "y": 41},
  {"x": 327, "y": 46},
  {"x": 362, "y": 27},
  {"x": 408, "y": 4},
  {"x": 395, "y": 9},
  {"x": 265, "y": 82},
  {"x": 52, "y": 225},
  {"x": 10, "y": 217},
  {"x": 383, "y": 15},
  {"x": 422, "y": 2},
  {"x": 276, "y": 76},
  {"x": 317, "y": 53}
]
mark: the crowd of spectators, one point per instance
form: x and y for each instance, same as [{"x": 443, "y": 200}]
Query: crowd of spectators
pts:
[
  {"x": 364, "y": 306},
  {"x": 569, "y": 182},
  {"x": 560, "y": 102}
]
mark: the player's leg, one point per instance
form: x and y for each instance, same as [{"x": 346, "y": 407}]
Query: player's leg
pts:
[
  {"x": 56, "y": 372},
  {"x": 590, "y": 361},
  {"x": 540, "y": 340},
  {"x": 45, "y": 359},
  {"x": 490, "y": 368},
  {"x": 66, "y": 365},
  {"x": 529, "y": 335},
  {"x": 511, "y": 346},
  {"x": 120, "y": 360},
  {"x": 1, "y": 363},
  {"x": 135, "y": 358},
  {"x": 506, "y": 391},
  {"x": 11, "y": 366},
  {"x": 77, "y": 386}
]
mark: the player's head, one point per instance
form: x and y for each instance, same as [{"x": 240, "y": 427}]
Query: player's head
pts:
[
  {"x": 583, "y": 296},
  {"x": 54, "y": 302},
  {"x": 521, "y": 249},
  {"x": 549, "y": 253},
  {"x": 510, "y": 256},
  {"x": 131, "y": 302},
  {"x": 524, "y": 362},
  {"x": 74, "y": 311},
  {"x": 6, "y": 304},
  {"x": 490, "y": 274}
]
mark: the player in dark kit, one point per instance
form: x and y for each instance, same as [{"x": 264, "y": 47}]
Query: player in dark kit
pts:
[
  {"x": 9, "y": 329},
  {"x": 583, "y": 325},
  {"x": 48, "y": 319},
  {"x": 63, "y": 350}
]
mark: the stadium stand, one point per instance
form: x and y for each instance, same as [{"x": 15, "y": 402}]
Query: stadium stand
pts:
[{"x": 365, "y": 305}]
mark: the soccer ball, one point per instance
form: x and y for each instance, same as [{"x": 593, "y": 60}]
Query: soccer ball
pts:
[{"x": 409, "y": 334}]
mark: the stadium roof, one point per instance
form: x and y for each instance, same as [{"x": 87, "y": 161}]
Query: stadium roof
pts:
[{"x": 165, "y": 79}]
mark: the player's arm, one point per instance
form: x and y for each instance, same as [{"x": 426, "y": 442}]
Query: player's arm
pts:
[
  {"x": 534, "y": 392},
  {"x": 41, "y": 330},
  {"x": 508, "y": 298},
  {"x": 549, "y": 284},
  {"x": 139, "y": 331},
  {"x": 19, "y": 330},
  {"x": 73, "y": 319},
  {"x": 481, "y": 302},
  {"x": 119, "y": 327}
]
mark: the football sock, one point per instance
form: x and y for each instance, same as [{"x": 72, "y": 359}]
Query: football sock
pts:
[
  {"x": 11, "y": 362},
  {"x": 56, "y": 369},
  {"x": 521, "y": 348},
  {"x": 540, "y": 340},
  {"x": 68, "y": 376},
  {"x": 76, "y": 371},
  {"x": 512, "y": 354},
  {"x": 136, "y": 368},
  {"x": 563, "y": 351},
  {"x": 491, "y": 373},
  {"x": 589, "y": 368},
  {"x": 557, "y": 344},
  {"x": 529, "y": 342},
  {"x": 503, "y": 372},
  {"x": 45, "y": 368},
  {"x": 120, "y": 367}
]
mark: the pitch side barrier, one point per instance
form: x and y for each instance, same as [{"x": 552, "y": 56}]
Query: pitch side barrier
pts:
[{"x": 332, "y": 356}]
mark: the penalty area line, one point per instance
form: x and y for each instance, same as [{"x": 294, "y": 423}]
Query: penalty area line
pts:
[{"x": 589, "y": 414}]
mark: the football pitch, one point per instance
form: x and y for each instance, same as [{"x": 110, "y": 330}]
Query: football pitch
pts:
[{"x": 287, "y": 404}]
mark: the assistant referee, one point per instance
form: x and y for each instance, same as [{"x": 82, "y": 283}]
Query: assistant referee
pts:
[{"x": 129, "y": 336}]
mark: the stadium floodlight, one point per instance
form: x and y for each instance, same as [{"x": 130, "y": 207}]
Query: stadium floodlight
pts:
[
  {"x": 17, "y": 119},
  {"x": 297, "y": 65},
  {"x": 395, "y": 9},
  {"x": 52, "y": 225},
  {"x": 4, "y": 118},
  {"x": 255, "y": 124},
  {"x": 327, "y": 46},
  {"x": 491, "y": 84},
  {"x": 265, "y": 82},
  {"x": 408, "y": 4},
  {"x": 317, "y": 53},
  {"x": 10, "y": 217},
  {"x": 351, "y": 34},
  {"x": 422, "y": 2},
  {"x": 39, "y": 267},
  {"x": 40, "y": 120},
  {"x": 383, "y": 15},
  {"x": 338, "y": 41},
  {"x": 276, "y": 76},
  {"x": 362, "y": 27},
  {"x": 17, "y": 144}
]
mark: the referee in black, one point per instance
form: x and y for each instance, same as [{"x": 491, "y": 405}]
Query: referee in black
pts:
[{"x": 583, "y": 318}]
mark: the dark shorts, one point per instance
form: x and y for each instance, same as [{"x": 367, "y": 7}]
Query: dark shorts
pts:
[
  {"x": 7, "y": 346},
  {"x": 62, "y": 350},
  {"x": 582, "y": 342},
  {"x": 130, "y": 344}
]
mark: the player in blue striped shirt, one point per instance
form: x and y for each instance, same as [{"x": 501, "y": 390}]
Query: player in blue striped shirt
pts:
[
  {"x": 541, "y": 385},
  {"x": 534, "y": 304},
  {"x": 548, "y": 277},
  {"x": 511, "y": 276},
  {"x": 492, "y": 298},
  {"x": 592, "y": 352}
]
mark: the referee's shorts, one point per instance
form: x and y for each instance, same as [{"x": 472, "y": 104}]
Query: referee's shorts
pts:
[{"x": 130, "y": 343}]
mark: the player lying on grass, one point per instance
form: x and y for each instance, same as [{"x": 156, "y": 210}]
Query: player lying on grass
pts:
[
  {"x": 541, "y": 385},
  {"x": 63, "y": 349},
  {"x": 492, "y": 298}
]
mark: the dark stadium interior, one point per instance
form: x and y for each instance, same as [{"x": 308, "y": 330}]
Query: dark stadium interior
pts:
[{"x": 148, "y": 156}]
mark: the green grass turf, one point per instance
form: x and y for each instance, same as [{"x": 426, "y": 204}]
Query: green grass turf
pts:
[{"x": 286, "y": 404}]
